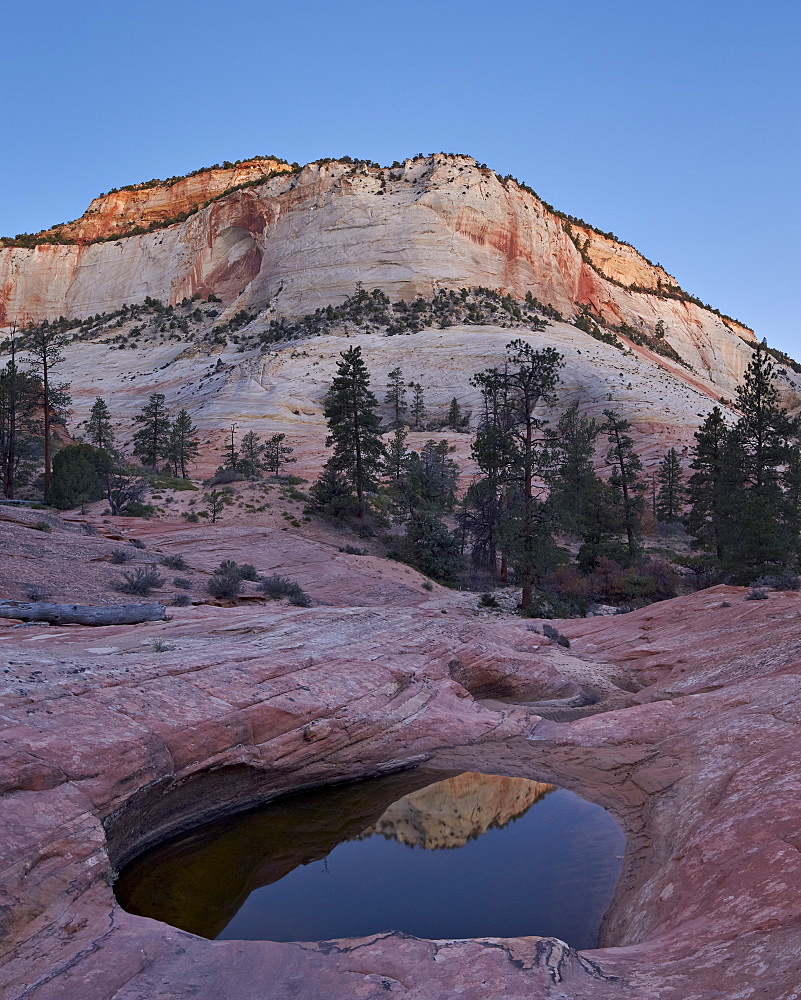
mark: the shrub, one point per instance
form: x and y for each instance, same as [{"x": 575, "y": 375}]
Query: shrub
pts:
[
  {"x": 756, "y": 594},
  {"x": 181, "y": 600},
  {"x": 191, "y": 517},
  {"x": 43, "y": 526},
  {"x": 160, "y": 646},
  {"x": 428, "y": 585},
  {"x": 225, "y": 474},
  {"x": 555, "y": 635},
  {"x": 351, "y": 550},
  {"x": 182, "y": 582},
  {"x": 141, "y": 581},
  {"x": 138, "y": 509},
  {"x": 245, "y": 571},
  {"x": 119, "y": 556},
  {"x": 137, "y": 543},
  {"x": 488, "y": 601},
  {"x": 275, "y": 587},
  {"x": 224, "y": 584},
  {"x": 173, "y": 562}
]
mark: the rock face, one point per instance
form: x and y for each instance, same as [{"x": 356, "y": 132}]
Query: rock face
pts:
[
  {"x": 112, "y": 743},
  {"x": 451, "y": 812},
  {"x": 304, "y": 238}
]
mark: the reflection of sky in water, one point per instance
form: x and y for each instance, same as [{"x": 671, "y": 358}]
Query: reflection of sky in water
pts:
[{"x": 550, "y": 872}]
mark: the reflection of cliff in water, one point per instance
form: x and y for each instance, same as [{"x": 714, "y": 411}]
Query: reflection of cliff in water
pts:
[
  {"x": 199, "y": 880},
  {"x": 458, "y": 809}
]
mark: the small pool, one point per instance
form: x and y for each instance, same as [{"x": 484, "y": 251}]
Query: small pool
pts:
[{"x": 433, "y": 855}]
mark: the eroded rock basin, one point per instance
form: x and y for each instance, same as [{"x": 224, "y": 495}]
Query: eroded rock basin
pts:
[{"x": 424, "y": 853}]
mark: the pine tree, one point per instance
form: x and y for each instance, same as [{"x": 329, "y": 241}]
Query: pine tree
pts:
[
  {"x": 252, "y": 450},
  {"x": 626, "y": 484},
  {"x": 705, "y": 486},
  {"x": 396, "y": 452},
  {"x": 759, "y": 521},
  {"x": 514, "y": 395},
  {"x": 19, "y": 425},
  {"x": 396, "y": 395},
  {"x": 354, "y": 425},
  {"x": 44, "y": 345},
  {"x": 183, "y": 446},
  {"x": 670, "y": 495},
  {"x": 430, "y": 547},
  {"x": 215, "y": 503},
  {"x": 571, "y": 476},
  {"x": 98, "y": 427},
  {"x": 231, "y": 454},
  {"x": 454, "y": 415},
  {"x": 276, "y": 453},
  {"x": 418, "y": 405},
  {"x": 428, "y": 481},
  {"x": 764, "y": 425},
  {"x": 152, "y": 441}
]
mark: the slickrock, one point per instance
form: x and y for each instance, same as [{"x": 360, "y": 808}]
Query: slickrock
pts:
[{"x": 109, "y": 746}]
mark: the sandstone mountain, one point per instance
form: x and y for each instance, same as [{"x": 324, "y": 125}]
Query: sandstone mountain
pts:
[{"x": 274, "y": 242}]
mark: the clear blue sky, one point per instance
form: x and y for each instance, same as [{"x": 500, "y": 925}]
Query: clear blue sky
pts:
[{"x": 674, "y": 125}]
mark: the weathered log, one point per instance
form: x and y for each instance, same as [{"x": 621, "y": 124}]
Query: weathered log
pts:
[{"x": 83, "y": 614}]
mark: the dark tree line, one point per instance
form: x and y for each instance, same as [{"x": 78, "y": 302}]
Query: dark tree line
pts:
[{"x": 537, "y": 486}]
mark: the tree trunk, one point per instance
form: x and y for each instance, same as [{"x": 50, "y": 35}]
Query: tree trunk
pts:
[{"x": 82, "y": 614}]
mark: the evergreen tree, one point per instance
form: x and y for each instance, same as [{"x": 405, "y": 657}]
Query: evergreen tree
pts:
[
  {"x": 78, "y": 476},
  {"x": 152, "y": 441},
  {"x": 215, "y": 502},
  {"x": 250, "y": 458},
  {"x": 427, "y": 481},
  {"x": 509, "y": 449},
  {"x": 418, "y": 405},
  {"x": 670, "y": 495},
  {"x": 44, "y": 346},
  {"x": 570, "y": 473},
  {"x": 627, "y": 487},
  {"x": 231, "y": 454},
  {"x": 705, "y": 486},
  {"x": 354, "y": 425},
  {"x": 397, "y": 454},
  {"x": 183, "y": 445},
  {"x": 454, "y": 415},
  {"x": 332, "y": 494},
  {"x": 764, "y": 426},
  {"x": 19, "y": 426},
  {"x": 98, "y": 427},
  {"x": 276, "y": 453},
  {"x": 430, "y": 547},
  {"x": 760, "y": 521},
  {"x": 396, "y": 395}
]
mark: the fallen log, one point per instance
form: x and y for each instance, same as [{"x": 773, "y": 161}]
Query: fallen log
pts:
[{"x": 83, "y": 614}]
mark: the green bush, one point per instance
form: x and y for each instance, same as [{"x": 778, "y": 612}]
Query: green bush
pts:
[
  {"x": 43, "y": 526},
  {"x": 78, "y": 473},
  {"x": 173, "y": 562},
  {"x": 275, "y": 587},
  {"x": 140, "y": 582},
  {"x": 224, "y": 584},
  {"x": 119, "y": 556}
]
